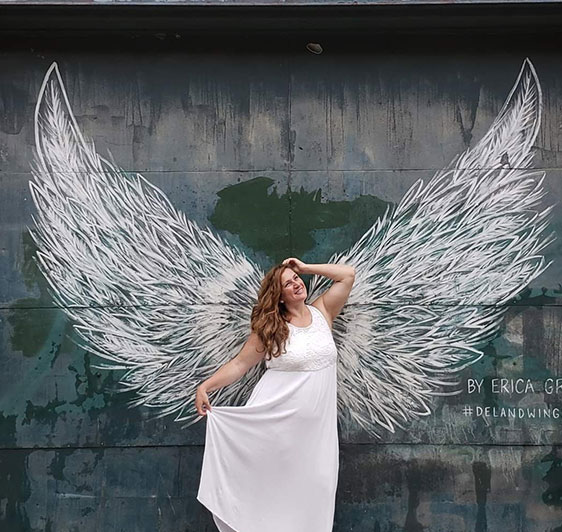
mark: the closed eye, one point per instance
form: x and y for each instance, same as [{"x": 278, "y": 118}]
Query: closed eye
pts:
[{"x": 287, "y": 283}]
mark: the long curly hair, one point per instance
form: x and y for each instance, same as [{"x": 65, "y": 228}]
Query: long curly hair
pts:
[{"x": 269, "y": 315}]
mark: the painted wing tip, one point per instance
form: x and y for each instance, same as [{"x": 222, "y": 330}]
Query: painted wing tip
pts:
[
  {"x": 53, "y": 67},
  {"x": 528, "y": 63},
  {"x": 52, "y": 74},
  {"x": 529, "y": 68}
]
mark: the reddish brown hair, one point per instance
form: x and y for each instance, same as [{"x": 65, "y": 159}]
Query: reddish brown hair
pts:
[{"x": 268, "y": 319}]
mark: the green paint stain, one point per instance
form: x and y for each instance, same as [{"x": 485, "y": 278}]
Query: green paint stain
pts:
[
  {"x": 283, "y": 224},
  {"x": 259, "y": 218},
  {"x": 15, "y": 398},
  {"x": 31, "y": 327}
]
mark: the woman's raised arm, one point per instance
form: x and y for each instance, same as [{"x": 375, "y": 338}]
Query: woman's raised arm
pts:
[{"x": 336, "y": 296}]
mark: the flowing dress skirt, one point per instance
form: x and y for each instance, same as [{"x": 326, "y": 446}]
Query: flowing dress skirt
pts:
[{"x": 272, "y": 465}]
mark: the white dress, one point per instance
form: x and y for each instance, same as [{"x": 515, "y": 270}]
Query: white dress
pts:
[{"x": 272, "y": 465}]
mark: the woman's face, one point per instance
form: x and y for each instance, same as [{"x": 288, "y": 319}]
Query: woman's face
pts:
[{"x": 293, "y": 288}]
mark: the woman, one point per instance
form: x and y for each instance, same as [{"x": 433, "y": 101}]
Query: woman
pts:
[{"x": 272, "y": 464}]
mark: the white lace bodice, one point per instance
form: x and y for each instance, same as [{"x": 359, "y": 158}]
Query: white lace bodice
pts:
[{"x": 308, "y": 348}]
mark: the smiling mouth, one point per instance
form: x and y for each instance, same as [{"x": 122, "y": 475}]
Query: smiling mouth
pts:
[{"x": 298, "y": 291}]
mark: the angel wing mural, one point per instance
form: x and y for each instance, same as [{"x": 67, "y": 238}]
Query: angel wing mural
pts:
[{"x": 152, "y": 293}]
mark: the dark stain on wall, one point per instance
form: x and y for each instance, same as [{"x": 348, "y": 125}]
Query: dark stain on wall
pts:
[
  {"x": 56, "y": 467},
  {"x": 414, "y": 480},
  {"x": 13, "y": 107},
  {"x": 7, "y": 430},
  {"x": 552, "y": 496},
  {"x": 482, "y": 485},
  {"x": 42, "y": 413},
  {"x": 14, "y": 490}
]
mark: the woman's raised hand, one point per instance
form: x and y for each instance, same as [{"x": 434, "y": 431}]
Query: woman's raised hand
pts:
[
  {"x": 202, "y": 401},
  {"x": 295, "y": 264}
]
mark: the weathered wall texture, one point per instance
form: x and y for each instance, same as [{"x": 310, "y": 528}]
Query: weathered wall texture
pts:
[{"x": 285, "y": 154}]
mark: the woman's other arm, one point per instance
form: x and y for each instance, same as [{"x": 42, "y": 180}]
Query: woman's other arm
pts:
[
  {"x": 250, "y": 354},
  {"x": 336, "y": 296}
]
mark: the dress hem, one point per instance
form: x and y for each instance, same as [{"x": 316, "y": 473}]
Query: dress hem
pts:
[{"x": 215, "y": 513}]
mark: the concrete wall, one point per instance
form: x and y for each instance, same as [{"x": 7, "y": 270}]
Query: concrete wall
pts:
[{"x": 308, "y": 149}]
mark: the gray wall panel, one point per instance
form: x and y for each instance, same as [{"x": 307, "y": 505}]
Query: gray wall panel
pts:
[{"x": 283, "y": 154}]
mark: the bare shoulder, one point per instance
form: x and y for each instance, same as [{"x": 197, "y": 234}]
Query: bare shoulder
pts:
[{"x": 319, "y": 304}]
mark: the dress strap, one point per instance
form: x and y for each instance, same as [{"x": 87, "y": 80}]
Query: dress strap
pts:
[{"x": 319, "y": 313}]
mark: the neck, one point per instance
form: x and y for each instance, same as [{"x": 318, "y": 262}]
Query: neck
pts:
[{"x": 298, "y": 310}]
